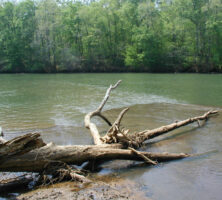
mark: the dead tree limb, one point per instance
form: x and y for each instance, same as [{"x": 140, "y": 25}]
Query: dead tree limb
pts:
[
  {"x": 146, "y": 159},
  {"x": 140, "y": 137},
  {"x": 91, "y": 126},
  {"x": 114, "y": 129}
]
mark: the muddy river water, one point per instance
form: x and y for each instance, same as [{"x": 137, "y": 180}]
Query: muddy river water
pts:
[{"x": 55, "y": 105}]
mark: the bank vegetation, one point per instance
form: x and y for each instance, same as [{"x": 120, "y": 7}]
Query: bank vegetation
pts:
[{"x": 111, "y": 36}]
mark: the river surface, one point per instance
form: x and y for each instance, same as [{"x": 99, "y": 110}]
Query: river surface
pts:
[{"x": 55, "y": 105}]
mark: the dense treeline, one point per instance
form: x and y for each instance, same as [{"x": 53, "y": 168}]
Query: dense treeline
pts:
[{"x": 111, "y": 35}]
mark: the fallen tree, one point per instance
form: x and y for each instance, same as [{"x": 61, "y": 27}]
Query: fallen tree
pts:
[{"x": 28, "y": 153}]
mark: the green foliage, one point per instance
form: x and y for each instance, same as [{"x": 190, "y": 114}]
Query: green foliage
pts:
[
  {"x": 17, "y": 26},
  {"x": 111, "y": 35}
]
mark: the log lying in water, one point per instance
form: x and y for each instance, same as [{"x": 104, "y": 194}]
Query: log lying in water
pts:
[
  {"x": 36, "y": 160},
  {"x": 15, "y": 183},
  {"x": 29, "y": 153}
]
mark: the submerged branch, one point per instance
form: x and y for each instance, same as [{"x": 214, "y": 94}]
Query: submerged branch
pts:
[{"x": 141, "y": 137}]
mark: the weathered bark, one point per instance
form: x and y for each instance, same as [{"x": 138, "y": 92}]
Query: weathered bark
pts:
[
  {"x": 20, "y": 145},
  {"x": 37, "y": 160}
]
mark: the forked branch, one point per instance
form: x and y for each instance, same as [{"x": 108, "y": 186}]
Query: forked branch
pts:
[
  {"x": 114, "y": 132},
  {"x": 91, "y": 126},
  {"x": 117, "y": 135}
]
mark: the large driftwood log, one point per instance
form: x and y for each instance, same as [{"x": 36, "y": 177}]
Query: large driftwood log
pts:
[
  {"x": 36, "y": 160},
  {"x": 29, "y": 153}
]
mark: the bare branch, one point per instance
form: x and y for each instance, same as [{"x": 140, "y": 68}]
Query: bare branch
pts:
[
  {"x": 105, "y": 99},
  {"x": 105, "y": 119},
  {"x": 147, "y": 160},
  {"x": 146, "y": 135},
  {"x": 91, "y": 126},
  {"x": 118, "y": 120}
]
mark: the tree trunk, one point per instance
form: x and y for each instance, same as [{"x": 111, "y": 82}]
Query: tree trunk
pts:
[{"x": 37, "y": 160}]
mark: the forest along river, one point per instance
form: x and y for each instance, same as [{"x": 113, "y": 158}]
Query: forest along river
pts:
[{"x": 55, "y": 105}]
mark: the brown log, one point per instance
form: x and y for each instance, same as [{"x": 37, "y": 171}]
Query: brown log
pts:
[
  {"x": 20, "y": 145},
  {"x": 36, "y": 160}
]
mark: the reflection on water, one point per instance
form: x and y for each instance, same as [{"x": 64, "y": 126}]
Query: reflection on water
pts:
[{"x": 55, "y": 105}]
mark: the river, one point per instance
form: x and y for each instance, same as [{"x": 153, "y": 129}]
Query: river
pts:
[{"x": 55, "y": 105}]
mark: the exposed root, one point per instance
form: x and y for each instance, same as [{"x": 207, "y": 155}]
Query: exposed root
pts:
[{"x": 55, "y": 172}]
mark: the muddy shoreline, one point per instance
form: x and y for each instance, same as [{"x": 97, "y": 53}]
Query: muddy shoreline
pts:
[{"x": 101, "y": 187}]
